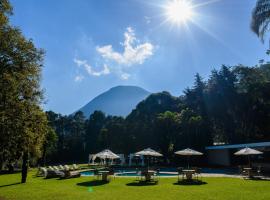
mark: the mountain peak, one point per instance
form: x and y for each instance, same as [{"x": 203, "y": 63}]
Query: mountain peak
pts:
[{"x": 118, "y": 101}]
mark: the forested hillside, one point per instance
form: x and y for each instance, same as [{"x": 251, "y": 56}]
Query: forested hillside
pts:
[{"x": 231, "y": 106}]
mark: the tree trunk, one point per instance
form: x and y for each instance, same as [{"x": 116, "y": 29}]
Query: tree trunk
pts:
[
  {"x": 43, "y": 158},
  {"x": 10, "y": 168},
  {"x": 24, "y": 167},
  {"x": 1, "y": 164}
]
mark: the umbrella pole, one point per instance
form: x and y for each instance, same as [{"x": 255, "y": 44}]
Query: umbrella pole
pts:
[
  {"x": 147, "y": 163},
  {"x": 249, "y": 161},
  {"x": 188, "y": 161}
]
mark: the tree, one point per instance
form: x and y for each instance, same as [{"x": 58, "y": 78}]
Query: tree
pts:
[
  {"x": 167, "y": 130},
  {"x": 94, "y": 125},
  {"x": 222, "y": 103},
  {"x": 23, "y": 124},
  {"x": 261, "y": 18},
  {"x": 75, "y": 138},
  {"x": 49, "y": 144}
]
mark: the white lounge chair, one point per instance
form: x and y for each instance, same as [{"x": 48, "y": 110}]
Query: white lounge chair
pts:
[
  {"x": 61, "y": 167},
  {"x": 66, "y": 167},
  {"x": 75, "y": 167}
]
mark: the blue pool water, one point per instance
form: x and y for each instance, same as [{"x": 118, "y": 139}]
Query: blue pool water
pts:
[
  {"x": 128, "y": 172},
  {"x": 163, "y": 172},
  {"x": 87, "y": 173},
  {"x": 135, "y": 174}
]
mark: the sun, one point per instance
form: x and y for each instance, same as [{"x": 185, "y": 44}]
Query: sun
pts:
[{"x": 179, "y": 11}]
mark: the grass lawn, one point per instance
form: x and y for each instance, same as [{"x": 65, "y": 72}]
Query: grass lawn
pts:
[{"x": 82, "y": 188}]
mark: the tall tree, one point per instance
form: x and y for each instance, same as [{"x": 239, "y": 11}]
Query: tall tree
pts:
[
  {"x": 261, "y": 18},
  {"x": 94, "y": 125},
  {"x": 167, "y": 130},
  {"x": 49, "y": 145},
  {"x": 23, "y": 124}
]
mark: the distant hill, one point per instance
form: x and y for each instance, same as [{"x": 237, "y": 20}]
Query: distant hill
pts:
[{"x": 118, "y": 101}]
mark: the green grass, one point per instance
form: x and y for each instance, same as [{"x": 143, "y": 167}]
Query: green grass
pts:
[{"x": 82, "y": 188}]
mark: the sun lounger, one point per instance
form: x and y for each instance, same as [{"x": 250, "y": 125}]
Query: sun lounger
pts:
[
  {"x": 67, "y": 168},
  {"x": 53, "y": 173},
  {"x": 70, "y": 174},
  {"x": 75, "y": 167},
  {"x": 61, "y": 167},
  {"x": 41, "y": 171}
]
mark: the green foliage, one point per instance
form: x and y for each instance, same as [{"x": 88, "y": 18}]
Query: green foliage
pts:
[
  {"x": 260, "y": 18},
  {"x": 232, "y": 106},
  {"x": 23, "y": 125},
  {"x": 49, "y": 145},
  {"x": 167, "y": 132}
]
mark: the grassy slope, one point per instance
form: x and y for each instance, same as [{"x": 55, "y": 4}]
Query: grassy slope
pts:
[{"x": 118, "y": 189}]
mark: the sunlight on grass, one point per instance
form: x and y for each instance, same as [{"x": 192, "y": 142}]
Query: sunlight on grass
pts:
[{"x": 121, "y": 188}]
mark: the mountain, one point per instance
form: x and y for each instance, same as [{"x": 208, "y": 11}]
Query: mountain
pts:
[{"x": 118, "y": 101}]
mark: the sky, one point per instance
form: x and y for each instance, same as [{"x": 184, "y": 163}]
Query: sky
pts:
[{"x": 93, "y": 45}]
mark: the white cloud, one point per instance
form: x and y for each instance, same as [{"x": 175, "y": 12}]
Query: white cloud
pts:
[
  {"x": 134, "y": 53},
  {"x": 78, "y": 78},
  {"x": 125, "y": 76},
  {"x": 89, "y": 68}
]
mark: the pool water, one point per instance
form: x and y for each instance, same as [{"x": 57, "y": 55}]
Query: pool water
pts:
[
  {"x": 163, "y": 172},
  {"x": 128, "y": 172},
  {"x": 87, "y": 173},
  {"x": 135, "y": 174}
]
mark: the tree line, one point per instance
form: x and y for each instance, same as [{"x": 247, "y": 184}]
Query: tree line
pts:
[{"x": 231, "y": 106}]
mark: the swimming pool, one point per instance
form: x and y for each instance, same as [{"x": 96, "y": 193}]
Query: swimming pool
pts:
[
  {"x": 135, "y": 174},
  {"x": 129, "y": 172},
  {"x": 163, "y": 172}
]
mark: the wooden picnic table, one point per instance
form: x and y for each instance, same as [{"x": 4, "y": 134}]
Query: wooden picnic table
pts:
[
  {"x": 249, "y": 171},
  {"x": 189, "y": 173},
  {"x": 104, "y": 174},
  {"x": 148, "y": 174}
]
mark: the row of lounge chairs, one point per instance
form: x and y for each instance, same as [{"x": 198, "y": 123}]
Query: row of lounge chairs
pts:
[{"x": 59, "y": 171}]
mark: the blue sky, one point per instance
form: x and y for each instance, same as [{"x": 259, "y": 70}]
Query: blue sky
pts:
[{"x": 94, "y": 45}]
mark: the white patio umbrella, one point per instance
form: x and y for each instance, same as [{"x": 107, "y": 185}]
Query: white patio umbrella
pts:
[
  {"x": 247, "y": 152},
  {"x": 148, "y": 153},
  {"x": 107, "y": 154},
  {"x": 188, "y": 152}
]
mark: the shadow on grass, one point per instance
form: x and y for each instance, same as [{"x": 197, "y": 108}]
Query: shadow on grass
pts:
[
  {"x": 190, "y": 182},
  {"x": 257, "y": 179},
  {"x": 93, "y": 183},
  {"x": 8, "y": 172},
  {"x": 9, "y": 184},
  {"x": 142, "y": 183}
]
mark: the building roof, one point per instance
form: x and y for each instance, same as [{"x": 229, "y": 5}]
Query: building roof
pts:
[{"x": 237, "y": 146}]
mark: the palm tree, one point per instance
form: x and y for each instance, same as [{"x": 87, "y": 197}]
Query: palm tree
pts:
[{"x": 261, "y": 18}]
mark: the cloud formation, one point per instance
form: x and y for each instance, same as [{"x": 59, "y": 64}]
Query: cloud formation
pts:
[
  {"x": 89, "y": 69},
  {"x": 125, "y": 76},
  {"x": 134, "y": 53}
]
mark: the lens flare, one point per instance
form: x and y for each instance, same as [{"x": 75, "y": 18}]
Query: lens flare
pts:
[{"x": 179, "y": 11}]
